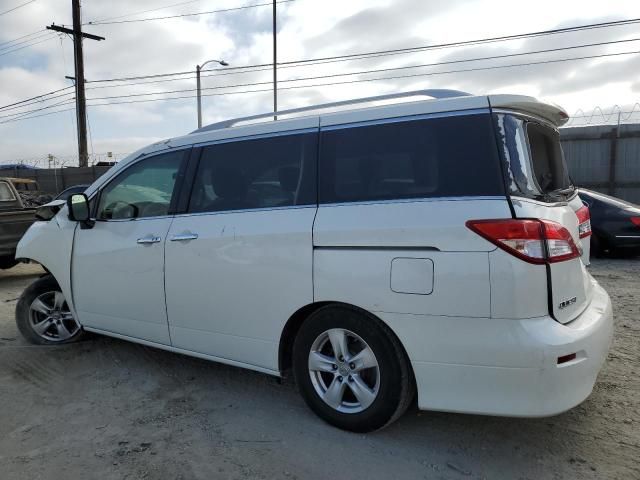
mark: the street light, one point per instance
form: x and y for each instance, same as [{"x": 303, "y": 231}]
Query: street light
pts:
[{"x": 198, "y": 68}]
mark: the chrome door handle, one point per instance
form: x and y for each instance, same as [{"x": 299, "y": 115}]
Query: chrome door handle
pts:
[
  {"x": 184, "y": 236},
  {"x": 149, "y": 239}
]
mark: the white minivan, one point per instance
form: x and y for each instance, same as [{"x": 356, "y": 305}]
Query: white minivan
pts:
[{"x": 431, "y": 248}]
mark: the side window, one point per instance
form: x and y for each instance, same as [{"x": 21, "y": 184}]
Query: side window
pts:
[
  {"x": 261, "y": 173},
  {"x": 6, "y": 194},
  {"x": 439, "y": 157},
  {"x": 142, "y": 190}
]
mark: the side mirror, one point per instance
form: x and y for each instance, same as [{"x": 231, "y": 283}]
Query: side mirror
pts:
[{"x": 78, "y": 204}]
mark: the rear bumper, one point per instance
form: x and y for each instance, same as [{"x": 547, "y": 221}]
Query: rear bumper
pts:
[{"x": 524, "y": 378}]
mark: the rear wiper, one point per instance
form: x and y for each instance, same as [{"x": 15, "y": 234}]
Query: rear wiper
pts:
[{"x": 565, "y": 191}]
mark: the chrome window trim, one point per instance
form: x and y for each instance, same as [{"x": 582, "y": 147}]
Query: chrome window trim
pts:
[
  {"x": 258, "y": 136},
  {"x": 243, "y": 210},
  {"x": 561, "y": 203},
  {"x": 341, "y": 204},
  {"x": 527, "y": 116},
  {"x": 418, "y": 200},
  {"x": 406, "y": 118}
]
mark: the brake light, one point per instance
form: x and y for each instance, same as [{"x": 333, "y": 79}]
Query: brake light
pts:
[
  {"x": 636, "y": 221},
  {"x": 584, "y": 221},
  {"x": 534, "y": 241}
]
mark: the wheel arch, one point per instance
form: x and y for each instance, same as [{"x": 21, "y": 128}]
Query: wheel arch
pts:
[
  {"x": 292, "y": 327},
  {"x": 50, "y": 244}
]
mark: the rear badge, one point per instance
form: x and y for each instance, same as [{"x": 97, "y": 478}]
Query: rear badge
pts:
[{"x": 566, "y": 303}]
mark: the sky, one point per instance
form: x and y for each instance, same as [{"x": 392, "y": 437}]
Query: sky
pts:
[{"x": 307, "y": 29}]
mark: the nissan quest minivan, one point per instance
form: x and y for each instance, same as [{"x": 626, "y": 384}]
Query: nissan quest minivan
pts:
[{"x": 432, "y": 249}]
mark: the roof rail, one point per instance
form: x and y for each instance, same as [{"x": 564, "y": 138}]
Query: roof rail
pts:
[{"x": 435, "y": 93}]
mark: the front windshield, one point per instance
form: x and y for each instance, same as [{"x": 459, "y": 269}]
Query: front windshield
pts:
[{"x": 533, "y": 158}]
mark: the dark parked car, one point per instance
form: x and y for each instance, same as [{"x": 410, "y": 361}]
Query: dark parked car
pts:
[
  {"x": 66, "y": 193},
  {"x": 15, "y": 219},
  {"x": 614, "y": 222}
]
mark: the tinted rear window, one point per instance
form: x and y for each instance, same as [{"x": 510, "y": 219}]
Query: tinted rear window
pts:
[
  {"x": 533, "y": 159},
  {"x": 548, "y": 160},
  {"x": 436, "y": 157}
]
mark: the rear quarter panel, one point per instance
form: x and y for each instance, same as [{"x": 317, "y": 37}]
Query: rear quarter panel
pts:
[{"x": 355, "y": 246}]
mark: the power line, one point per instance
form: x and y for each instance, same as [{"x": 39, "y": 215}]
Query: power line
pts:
[
  {"x": 16, "y": 8},
  {"x": 36, "y": 116},
  {"x": 27, "y": 40},
  {"x": 27, "y": 46},
  {"x": 358, "y": 56},
  {"x": 20, "y": 38},
  {"x": 66, "y": 101},
  {"x": 353, "y": 73},
  {"x": 35, "y": 98},
  {"x": 188, "y": 14},
  {"x": 143, "y": 11},
  {"x": 554, "y": 31},
  {"x": 381, "y": 70},
  {"x": 495, "y": 67}
]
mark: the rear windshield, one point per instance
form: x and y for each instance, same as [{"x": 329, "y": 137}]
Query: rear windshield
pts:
[
  {"x": 6, "y": 195},
  {"x": 533, "y": 158}
]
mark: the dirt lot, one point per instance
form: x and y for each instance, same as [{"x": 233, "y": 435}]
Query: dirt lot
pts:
[{"x": 110, "y": 409}]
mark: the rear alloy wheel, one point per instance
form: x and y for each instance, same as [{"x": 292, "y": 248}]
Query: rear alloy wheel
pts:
[
  {"x": 43, "y": 315},
  {"x": 351, "y": 369},
  {"x": 344, "y": 371}
]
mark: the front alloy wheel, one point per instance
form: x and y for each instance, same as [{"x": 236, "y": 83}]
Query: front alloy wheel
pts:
[
  {"x": 51, "y": 318},
  {"x": 43, "y": 315}
]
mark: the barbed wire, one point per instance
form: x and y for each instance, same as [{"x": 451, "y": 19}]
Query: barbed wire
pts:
[
  {"x": 61, "y": 161},
  {"x": 616, "y": 115}
]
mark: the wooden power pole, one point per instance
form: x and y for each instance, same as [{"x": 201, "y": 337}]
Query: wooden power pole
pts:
[{"x": 81, "y": 102}]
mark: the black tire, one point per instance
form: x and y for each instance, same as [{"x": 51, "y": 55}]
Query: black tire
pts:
[
  {"x": 396, "y": 384},
  {"x": 40, "y": 288},
  {"x": 7, "y": 262},
  {"x": 596, "y": 246}
]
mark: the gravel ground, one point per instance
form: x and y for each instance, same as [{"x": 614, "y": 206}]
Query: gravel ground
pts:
[{"x": 109, "y": 409}]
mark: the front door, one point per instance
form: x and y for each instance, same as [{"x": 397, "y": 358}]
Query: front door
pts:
[
  {"x": 239, "y": 262},
  {"x": 118, "y": 265}
]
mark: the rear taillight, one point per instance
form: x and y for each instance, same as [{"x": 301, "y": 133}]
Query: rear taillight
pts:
[
  {"x": 534, "y": 241},
  {"x": 584, "y": 222},
  {"x": 636, "y": 221}
]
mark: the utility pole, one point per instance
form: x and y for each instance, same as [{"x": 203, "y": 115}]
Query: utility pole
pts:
[
  {"x": 275, "y": 64},
  {"x": 81, "y": 102}
]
